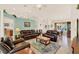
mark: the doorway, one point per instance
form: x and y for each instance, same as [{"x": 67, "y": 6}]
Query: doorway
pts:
[{"x": 64, "y": 29}]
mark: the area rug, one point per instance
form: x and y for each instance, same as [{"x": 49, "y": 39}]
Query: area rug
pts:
[{"x": 52, "y": 48}]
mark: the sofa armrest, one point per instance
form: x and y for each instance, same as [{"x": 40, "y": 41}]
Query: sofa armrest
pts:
[
  {"x": 18, "y": 41},
  {"x": 23, "y": 46}
]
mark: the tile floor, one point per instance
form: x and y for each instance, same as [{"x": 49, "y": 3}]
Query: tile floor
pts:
[{"x": 65, "y": 46}]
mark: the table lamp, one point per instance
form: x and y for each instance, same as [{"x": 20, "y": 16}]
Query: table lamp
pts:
[{"x": 17, "y": 30}]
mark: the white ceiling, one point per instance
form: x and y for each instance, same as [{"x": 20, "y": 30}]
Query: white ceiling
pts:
[{"x": 53, "y": 11}]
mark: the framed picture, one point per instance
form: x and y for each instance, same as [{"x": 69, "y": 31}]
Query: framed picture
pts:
[
  {"x": 45, "y": 26},
  {"x": 6, "y": 24},
  {"x": 26, "y": 24}
]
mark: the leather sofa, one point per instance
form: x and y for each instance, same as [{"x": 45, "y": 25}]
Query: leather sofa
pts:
[
  {"x": 28, "y": 34},
  {"x": 52, "y": 34},
  {"x": 9, "y": 47}
]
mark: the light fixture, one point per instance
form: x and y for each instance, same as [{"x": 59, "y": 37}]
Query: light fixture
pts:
[{"x": 39, "y": 6}]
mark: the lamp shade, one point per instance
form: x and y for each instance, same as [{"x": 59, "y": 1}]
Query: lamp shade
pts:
[{"x": 17, "y": 29}]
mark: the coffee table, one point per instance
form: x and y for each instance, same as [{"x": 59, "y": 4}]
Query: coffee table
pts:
[{"x": 43, "y": 40}]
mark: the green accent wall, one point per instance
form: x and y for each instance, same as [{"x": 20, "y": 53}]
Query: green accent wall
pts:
[{"x": 19, "y": 22}]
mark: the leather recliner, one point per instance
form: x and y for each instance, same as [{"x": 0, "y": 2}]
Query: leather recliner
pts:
[
  {"x": 52, "y": 34},
  {"x": 8, "y": 47}
]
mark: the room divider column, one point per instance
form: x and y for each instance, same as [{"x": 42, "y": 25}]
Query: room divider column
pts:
[{"x": 2, "y": 24}]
